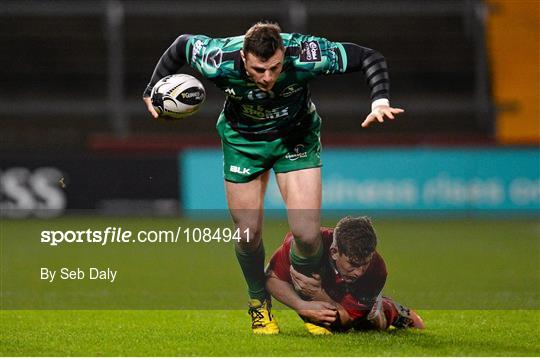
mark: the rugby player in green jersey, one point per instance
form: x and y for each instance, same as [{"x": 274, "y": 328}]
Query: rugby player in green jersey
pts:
[{"x": 269, "y": 122}]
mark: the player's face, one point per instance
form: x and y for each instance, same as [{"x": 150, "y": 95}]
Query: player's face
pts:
[
  {"x": 264, "y": 73},
  {"x": 348, "y": 270}
]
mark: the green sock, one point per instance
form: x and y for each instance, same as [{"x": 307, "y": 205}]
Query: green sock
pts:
[
  {"x": 252, "y": 264},
  {"x": 306, "y": 265}
]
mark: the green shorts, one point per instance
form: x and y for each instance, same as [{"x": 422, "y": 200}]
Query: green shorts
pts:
[{"x": 244, "y": 160}]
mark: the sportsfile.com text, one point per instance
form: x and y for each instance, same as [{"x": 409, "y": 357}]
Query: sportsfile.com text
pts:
[{"x": 120, "y": 235}]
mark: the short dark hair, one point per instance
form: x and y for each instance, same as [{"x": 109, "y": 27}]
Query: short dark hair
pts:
[
  {"x": 263, "y": 40},
  {"x": 355, "y": 238}
]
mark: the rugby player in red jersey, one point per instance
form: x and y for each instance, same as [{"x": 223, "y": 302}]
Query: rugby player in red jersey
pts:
[{"x": 347, "y": 292}]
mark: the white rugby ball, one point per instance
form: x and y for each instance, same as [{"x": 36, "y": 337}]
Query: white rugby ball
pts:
[{"x": 177, "y": 96}]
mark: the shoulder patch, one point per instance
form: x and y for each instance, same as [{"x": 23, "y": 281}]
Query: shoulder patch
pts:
[
  {"x": 214, "y": 57},
  {"x": 310, "y": 51}
]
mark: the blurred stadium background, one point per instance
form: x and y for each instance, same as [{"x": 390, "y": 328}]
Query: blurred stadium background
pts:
[
  {"x": 76, "y": 138},
  {"x": 466, "y": 72},
  {"x": 453, "y": 184}
]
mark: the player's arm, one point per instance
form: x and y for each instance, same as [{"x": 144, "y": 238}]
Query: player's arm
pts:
[
  {"x": 311, "y": 288},
  {"x": 169, "y": 63},
  {"x": 375, "y": 69},
  {"x": 315, "y": 311}
]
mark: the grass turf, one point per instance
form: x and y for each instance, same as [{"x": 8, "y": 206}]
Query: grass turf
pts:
[
  {"x": 226, "y": 333},
  {"x": 451, "y": 270}
]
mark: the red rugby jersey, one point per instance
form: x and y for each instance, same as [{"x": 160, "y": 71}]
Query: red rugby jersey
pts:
[{"x": 358, "y": 297}]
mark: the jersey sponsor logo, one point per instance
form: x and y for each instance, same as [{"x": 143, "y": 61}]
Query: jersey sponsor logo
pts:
[
  {"x": 240, "y": 170},
  {"x": 214, "y": 58},
  {"x": 231, "y": 94},
  {"x": 310, "y": 52},
  {"x": 297, "y": 153},
  {"x": 260, "y": 113},
  {"x": 258, "y": 94},
  {"x": 290, "y": 90},
  {"x": 197, "y": 49}
]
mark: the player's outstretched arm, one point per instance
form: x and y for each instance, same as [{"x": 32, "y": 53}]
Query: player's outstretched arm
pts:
[
  {"x": 373, "y": 65},
  {"x": 379, "y": 113},
  {"x": 169, "y": 63}
]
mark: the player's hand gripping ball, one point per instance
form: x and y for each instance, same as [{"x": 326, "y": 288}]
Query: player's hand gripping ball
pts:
[{"x": 177, "y": 96}]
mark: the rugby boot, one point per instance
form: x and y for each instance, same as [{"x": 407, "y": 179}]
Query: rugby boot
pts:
[
  {"x": 262, "y": 320},
  {"x": 315, "y": 329},
  {"x": 407, "y": 318}
]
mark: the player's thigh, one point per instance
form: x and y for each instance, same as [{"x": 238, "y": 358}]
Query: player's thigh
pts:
[
  {"x": 245, "y": 167},
  {"x": 245, "y": 201},
  {"x": 301, "y": 189},
  {"x": 247, "y": 195},
  {"x": 298, "y": 175},
  {"x": 298, "y": 170}
]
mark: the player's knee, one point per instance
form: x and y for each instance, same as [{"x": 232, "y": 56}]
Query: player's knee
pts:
[
  {"x": 305, "y": 229},
  {"x": 307, "y": 235},
  {"x": 307, "y": 241},
  {"x": 248, "y": 235}
]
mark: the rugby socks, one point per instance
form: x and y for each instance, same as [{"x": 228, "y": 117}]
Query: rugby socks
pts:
[
  {"x": 252, "y": 264},
  {"x": 389, "y": 310},
  {"x": 306, "y": 265}
]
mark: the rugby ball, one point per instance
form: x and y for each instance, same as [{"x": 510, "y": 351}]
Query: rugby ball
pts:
[{"x": 177, "y": 96}]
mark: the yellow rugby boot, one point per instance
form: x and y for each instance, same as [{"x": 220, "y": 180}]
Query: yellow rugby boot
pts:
[
  {"x": 262, "y": 320},
  {"x": 315, "y": 329}
]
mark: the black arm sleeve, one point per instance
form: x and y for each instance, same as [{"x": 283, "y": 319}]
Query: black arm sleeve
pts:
[
  {"x": 374, "y": 67},
  {"x": 170, "y": 62}
]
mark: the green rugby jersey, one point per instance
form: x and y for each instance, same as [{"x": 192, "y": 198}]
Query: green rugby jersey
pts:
[{"x": 261, "y": 115}]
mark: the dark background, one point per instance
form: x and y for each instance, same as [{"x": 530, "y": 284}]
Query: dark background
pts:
[{"x": 73, "y": 71}]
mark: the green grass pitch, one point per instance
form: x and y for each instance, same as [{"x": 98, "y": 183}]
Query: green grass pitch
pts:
[{"x": 476, "y": 283}]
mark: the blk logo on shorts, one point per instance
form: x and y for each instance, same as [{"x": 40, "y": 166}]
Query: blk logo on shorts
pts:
[{"x": 242, "y": 171}]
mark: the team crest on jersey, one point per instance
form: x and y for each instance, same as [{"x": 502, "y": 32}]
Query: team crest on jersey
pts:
[
  {"x": 310, "y": 51},
  {"x": 290, "y": 90}
]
